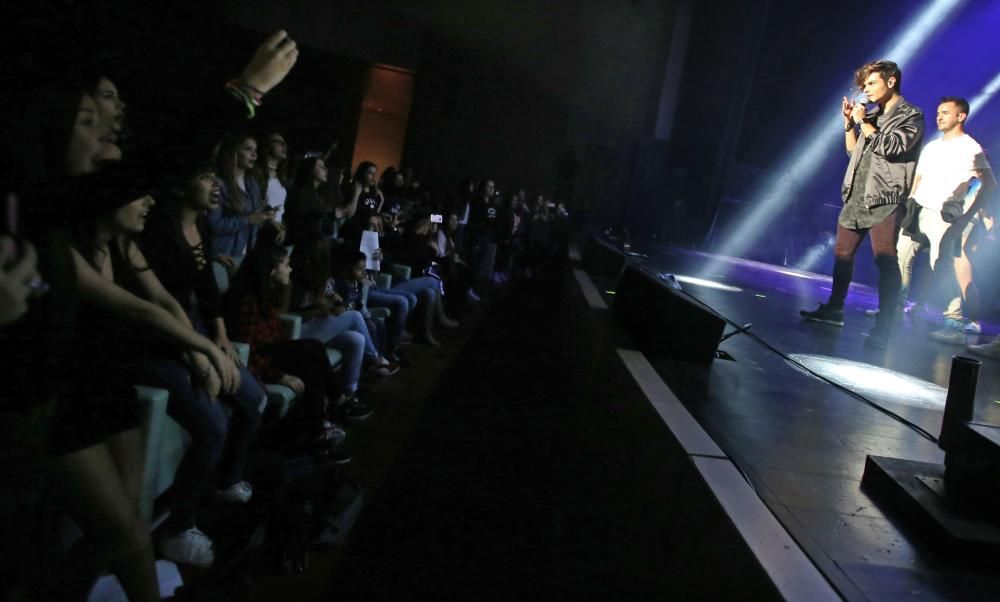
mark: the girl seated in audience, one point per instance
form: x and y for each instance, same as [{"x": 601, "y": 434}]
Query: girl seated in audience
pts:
[
  {"x": 176, "y": 242},
  {"x": 324, "y": 320},
  {"x": 235, "y": 222},
  {"x": 253, "y": 307},
  {"x": 414, "y": 248}
]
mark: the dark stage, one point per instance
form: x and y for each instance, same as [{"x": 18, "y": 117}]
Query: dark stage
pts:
[{"x": 803, "y": 443}]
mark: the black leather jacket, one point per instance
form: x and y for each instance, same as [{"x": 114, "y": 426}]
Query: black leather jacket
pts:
[{"x": 896, "y": 147}]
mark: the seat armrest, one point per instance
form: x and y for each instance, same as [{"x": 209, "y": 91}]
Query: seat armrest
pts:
[
  {"x": 400, "y": 272},
  {"x": 243, "y": 350},
  {"x": 154, "y": 415},
  {"x": 292, "y": 326}
]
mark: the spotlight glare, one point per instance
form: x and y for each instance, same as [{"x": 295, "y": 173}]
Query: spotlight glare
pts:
[
  {"x": 707, "y": 283},
  {"x": 878, "y": 384},
  {"x": 815, "y": 254}
]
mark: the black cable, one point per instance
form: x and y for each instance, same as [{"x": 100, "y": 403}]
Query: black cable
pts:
[{"x": 741, "y": 329}]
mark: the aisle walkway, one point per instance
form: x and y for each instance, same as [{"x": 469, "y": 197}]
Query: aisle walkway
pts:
[{"x": 519, "y": 482}]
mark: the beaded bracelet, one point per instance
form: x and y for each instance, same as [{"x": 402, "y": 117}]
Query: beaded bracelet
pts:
[{"x": 246, "y": 93}]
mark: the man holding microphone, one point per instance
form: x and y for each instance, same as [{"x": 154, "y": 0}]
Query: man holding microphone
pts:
[{"x": 884, "y": 146}]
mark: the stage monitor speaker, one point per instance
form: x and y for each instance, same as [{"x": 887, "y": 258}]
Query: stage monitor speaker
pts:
[
  {"x": 663, "y": 321},
  {"x": 600, "y": 258}
]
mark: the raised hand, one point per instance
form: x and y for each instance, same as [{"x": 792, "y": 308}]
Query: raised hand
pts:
[
  {"x": 271, "y": 62},
  {"x": 846, "y": 106}
]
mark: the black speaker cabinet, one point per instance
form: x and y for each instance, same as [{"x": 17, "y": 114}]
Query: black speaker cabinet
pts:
[
  {"x": 601, "y": 259},
  {"x": 663, "y": 321}
]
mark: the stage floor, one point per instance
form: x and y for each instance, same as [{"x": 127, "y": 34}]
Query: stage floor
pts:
[{"x": 802, "y": 442}]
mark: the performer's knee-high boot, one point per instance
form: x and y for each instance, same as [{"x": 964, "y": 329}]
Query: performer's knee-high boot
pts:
[
  {"x": 889, "y": 284},
  {"x": 843, "y": 271}
]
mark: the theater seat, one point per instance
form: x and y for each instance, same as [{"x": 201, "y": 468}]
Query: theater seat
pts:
[
  {"x": 400, "y": 272},
  {"x": 154, "y": 418}
]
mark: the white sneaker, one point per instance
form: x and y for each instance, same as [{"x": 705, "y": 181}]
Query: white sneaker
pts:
[
  {"x": 188, "y": 547},
  {"x": 237, "y": 493},
  {"x": 973, "y": 327}
]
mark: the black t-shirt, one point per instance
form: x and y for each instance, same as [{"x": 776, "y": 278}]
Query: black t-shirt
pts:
[{"x": 185, "y": 272}]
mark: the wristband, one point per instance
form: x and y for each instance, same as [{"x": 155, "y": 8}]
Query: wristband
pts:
[
  {"x": 238, "y": 90},
  {"x": 850, "y": 127}
]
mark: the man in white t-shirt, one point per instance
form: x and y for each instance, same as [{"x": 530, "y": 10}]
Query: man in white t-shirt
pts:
[{"x": 952, "y": 181}]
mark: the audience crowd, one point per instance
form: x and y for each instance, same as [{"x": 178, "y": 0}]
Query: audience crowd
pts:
[{"x": 156, "y": 268}]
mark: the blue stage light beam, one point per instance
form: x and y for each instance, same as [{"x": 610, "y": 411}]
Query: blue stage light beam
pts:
[
  {"x": 984, "y": 96},
  {"x": 810, "y": 155},
  {"x": 816, "y": 253}
]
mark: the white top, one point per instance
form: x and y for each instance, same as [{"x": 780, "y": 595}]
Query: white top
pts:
[
  {"x": 945, "y": 168},
  {"x": 275, "y": 197}
]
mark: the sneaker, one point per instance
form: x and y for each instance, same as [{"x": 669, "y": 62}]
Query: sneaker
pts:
[
  {"x": 825, "y": 314},
  {"x": 397, "y": 357},
  {"x": 382, "y": 368},
  {"x": 237, "y": 493},
  {"x": 973, "y": 327},
  {"x": 191, "y": 547},
  {"x": 354, "y": 409},
  {"x": 953, "y": 336},
  {"x": 472, "y": 297},
  {"x": 405, "y": 338},
  {"x": 991, "y": 349},
  {"x": 904, "y": 308},
  {"x": 333, "y": 443}
]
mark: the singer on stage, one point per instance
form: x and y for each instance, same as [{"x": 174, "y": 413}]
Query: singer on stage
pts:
[{"x": 884, "y": 146}]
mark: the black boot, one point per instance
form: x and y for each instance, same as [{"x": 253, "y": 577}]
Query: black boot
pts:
[
  {"x": 843, "y": 272},
  {"x": 889, "y": 283},
  {"x": 832, "y": 312}
]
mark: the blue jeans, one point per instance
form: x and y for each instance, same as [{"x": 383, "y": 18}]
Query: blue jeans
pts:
[
  {"x": 415, "y": 286},
  {"x": 348, "y": 334},
  {"x": 216, "y": 439},
  {"x": 326, "y": 330},
  {"x": 399, "y": 308}
]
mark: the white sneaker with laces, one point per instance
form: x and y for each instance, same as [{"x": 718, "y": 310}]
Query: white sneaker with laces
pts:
[
  {"x": 237, "y": 493},
  {"x": 190, "y": 547}
]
